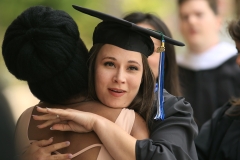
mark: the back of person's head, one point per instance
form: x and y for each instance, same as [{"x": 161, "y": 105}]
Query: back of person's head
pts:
[
  {"x": 234, "y": 30},
  {"x": 43, "y": 47},
  {"x": 212, "y": 4},
  {"x": 171, "y": 70}
]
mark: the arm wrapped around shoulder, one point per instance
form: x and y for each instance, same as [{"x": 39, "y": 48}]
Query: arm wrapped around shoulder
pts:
[{"x": 172, "y": 138}]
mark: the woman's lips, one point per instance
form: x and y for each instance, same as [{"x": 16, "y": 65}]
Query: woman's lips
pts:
[{"x": 116, "y": 92}]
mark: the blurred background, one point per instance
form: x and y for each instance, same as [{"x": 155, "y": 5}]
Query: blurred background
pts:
[{"x": 17, "y": 92}]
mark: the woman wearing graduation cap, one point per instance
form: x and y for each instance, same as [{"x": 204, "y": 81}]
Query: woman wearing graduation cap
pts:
[{"x": 171, "y": 134}]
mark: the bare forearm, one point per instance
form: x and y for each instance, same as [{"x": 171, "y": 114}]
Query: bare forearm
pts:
[{"x": 119, "y": 144}]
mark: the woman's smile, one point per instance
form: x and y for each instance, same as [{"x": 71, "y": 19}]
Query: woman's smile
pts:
[{"x": 116, "y": 92}]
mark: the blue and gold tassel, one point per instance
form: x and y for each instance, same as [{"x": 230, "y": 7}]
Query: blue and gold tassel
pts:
[{"x": 160, "y": 85}]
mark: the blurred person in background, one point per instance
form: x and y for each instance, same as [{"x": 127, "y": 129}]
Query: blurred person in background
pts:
[
  {"x": 151, "y": 21},
  {"x": 6, "y": 129},
  {"x": 219, "y": 137},
  {"x": 208, "y": 72}
]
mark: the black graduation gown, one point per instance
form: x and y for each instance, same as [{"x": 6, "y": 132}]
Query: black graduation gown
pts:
[
  {"x": 207, "y": 90},
  {"x": 219, "y": 138},
  {"x": 172, "y": 138}
]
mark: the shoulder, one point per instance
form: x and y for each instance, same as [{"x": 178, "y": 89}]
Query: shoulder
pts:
[
  {"x": 25, "y": 115},
  {"x": 178, "y": 112},
  {"x": 24, "y": 120},
  {"x": 21, "y": 130},
  {"x": 133, "y": 123},
  {"x": 178, "y": 130},
  {"x": 139, "y": 129},
  {"x": 176, "y": 105},
  {"x": 229, "y": 71}
]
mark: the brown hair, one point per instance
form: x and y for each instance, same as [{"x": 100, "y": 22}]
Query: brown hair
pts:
[
  {"x": 212, "y": 4},
  {"x": 234, "y": 29},
  {"x": 143, "y": 102},
  {"x": 171, "y": 80}
]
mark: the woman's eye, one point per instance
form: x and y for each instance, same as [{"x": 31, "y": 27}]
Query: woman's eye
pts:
[
  {"x": 133, "y": 68},
  {"x": 109, "y": 64}
]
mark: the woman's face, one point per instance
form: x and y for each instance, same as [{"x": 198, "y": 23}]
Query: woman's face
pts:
[
  {"x": 238, "y": 49},
  {"x": 118, "y": 74},
  {"x": 153, "y": 60}
]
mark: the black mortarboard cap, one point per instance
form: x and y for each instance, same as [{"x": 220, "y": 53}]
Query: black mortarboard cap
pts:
[
  {"x": 108, "y": 32},
  {"x": 128, "y": 24}
]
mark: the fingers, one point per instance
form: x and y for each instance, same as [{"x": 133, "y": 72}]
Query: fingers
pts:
[
  {"x": 44, "y": 117},
  {"x": 61, "y": 127},
  {"x": 55, "y": 147},
  {"x": 53, "y": 112},
  {"x": 70, "y": 126},
  {"x": 61, "y": 112},
  {"x": 42, "y": 110},
  {"x": 48, "y": 123},
  {"x": 43, "y": 143},
  {"x": 61, "y": 157}
]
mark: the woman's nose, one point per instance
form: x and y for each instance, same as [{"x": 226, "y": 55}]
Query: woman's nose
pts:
[{"x": 120, "y": 76}]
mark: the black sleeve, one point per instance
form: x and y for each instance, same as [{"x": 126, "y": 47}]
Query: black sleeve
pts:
[
  {"x": 214, "y": 134},
  {"x": 172, "y": 138}
]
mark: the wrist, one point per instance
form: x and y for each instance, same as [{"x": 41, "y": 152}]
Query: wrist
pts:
[{"x": 99, "y": 122}]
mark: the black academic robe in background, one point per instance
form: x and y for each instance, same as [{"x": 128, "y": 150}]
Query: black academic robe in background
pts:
[
  {"x": 219, "y": 138},
  {"x": 207, "y": 90},
  {"x": 172, "y": 138}
]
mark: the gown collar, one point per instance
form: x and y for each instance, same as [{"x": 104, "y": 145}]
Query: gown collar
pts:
[{"x": 210, "y": 59}]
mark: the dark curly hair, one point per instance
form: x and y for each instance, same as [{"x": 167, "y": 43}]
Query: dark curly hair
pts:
[{"x": 43, "y": 47}]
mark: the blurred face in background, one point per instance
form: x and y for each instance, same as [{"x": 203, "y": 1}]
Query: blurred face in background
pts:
[
  {"x": 238, "y": 48},
  {"x": 198, "y": 23},
  {"x": 153, "y": 60}
]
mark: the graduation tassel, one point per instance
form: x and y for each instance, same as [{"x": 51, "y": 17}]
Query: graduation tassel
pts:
[{"x": 160, "y": 84}]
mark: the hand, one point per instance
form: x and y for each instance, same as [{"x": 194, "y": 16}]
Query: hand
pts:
[
  {"x": 66, "y": 119},
  {"x": 41, "y": 150}
]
